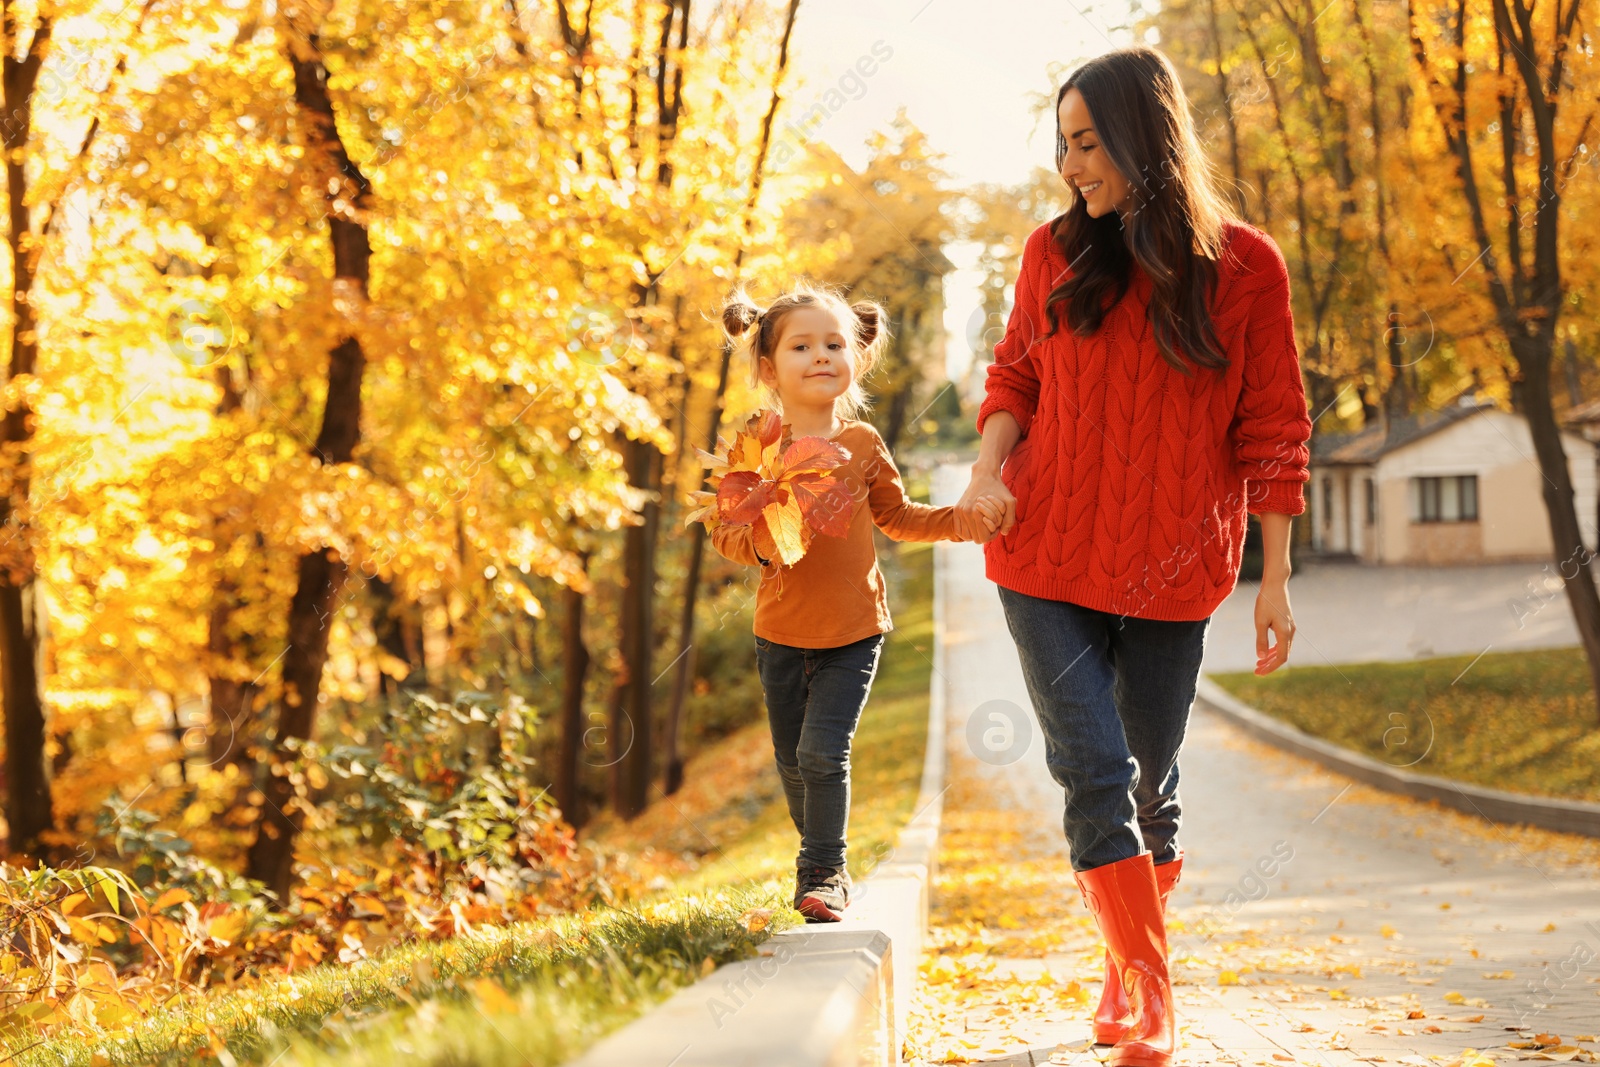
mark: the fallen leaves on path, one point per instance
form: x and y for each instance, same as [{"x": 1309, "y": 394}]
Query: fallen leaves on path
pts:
[
  {"x": 1014, "y": 962},
  {"x": 1011, "y": 948}
]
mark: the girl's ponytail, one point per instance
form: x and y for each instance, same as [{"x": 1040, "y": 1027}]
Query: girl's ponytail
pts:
[
  {"x": 872, "y": 332},
  {"x": 739, "y": 314}
]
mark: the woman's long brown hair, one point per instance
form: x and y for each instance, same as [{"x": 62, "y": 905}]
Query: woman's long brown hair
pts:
[{"x": 1174, "y": 225}]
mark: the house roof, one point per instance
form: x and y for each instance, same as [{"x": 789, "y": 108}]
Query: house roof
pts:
[{"x": 1368, "y": 445}]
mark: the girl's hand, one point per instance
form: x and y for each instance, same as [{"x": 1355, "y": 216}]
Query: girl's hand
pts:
[
  {"x": 992, "y": 511},
  {"x": 986, "y": 483},
  {"x": 979, "y": 524},
  {"x": 1272, "y": 613}
]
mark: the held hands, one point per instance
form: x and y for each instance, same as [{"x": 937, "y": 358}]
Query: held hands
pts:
[
  {"x": 987, "y": 508},
  {"x": 980, "y": 522}
]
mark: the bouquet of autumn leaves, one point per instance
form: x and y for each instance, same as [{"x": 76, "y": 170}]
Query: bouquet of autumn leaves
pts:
[{"x": 785, "y": 497}]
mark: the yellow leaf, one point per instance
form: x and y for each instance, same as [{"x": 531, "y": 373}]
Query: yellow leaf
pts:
[
  {"x": 85, "y": 932},
  {"x": 493, "y": 998},
  {"x": 756, "y": 919},
  {"x": 1453, "y": 997},
  {"x": 367, "y": 906},
  {"x": 1227, "y": 978},
  {"x": 422, "y": 971},
  {"x": 171, "y": 897},
  {"x": 785, "y": 523},
  {"x": 226, "y": 927},
  {"x": 114, "y": 1015},
  {"x": 1386, "y": 930}
]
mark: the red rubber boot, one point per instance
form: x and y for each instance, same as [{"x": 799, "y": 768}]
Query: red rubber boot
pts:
[
  {"x": 1111, "y": 1017},
  {"x": 1126, "y": 904}
]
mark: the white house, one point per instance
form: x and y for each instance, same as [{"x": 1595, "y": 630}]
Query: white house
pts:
[{"x": 1457, "y": 485}]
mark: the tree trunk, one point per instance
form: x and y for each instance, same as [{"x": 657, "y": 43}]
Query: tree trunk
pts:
[
  {"x": 574, "y": 672},
  {"x": 233, "y": 702},
  {"x": 1528, "y": 303},
  {"x": 29, "y": 808},
  {"x": 230, "y": 727},
  {"x": 632, "y": 717},
  {"x": 1572, "y": 557},
  {"x": 320, "y": 576},
  {"x": 394, "y": 627},
  {"x": 1397, "y": 398},
  {"x": 1236, "y": 191},
  {"x": 697, "y": 538},
  {"x": 1569, "y": 364},
  {"x": 632, "y": 714}
]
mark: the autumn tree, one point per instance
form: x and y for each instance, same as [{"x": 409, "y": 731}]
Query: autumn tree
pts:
[
  {"x": 885, "y": 228},
  {"x": 1537, "y": 82}
]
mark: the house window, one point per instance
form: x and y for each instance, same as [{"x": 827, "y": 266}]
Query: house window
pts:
[
  {"x": 1452, "y": 498},
  {"x": 1327, "y": 501},
  {"x": 1372, "y": 502}
]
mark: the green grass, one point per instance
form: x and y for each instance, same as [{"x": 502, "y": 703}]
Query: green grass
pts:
[
  {"x": 531, "y": 993},
  {"x": 1520, "y": 721}
]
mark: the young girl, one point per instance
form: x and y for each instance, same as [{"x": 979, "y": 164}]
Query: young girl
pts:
[{"x": 820, "y": 629}]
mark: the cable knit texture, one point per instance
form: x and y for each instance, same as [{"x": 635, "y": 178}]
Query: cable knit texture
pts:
[{"x": 1133, "y": 481}]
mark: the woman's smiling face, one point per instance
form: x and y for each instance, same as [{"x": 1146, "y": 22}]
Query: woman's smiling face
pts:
[{"x": 1085, "y": 166}]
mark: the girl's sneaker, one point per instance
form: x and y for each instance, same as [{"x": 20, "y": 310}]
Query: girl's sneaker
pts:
[{"x": 822, "y": 893}]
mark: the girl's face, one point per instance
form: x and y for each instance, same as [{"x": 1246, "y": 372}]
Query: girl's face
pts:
[
  {"x": 1086, "y": 167},
  {"x": 813, "y": 364}
]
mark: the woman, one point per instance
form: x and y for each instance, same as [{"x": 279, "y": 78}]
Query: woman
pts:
[{"x": 1145, "y": 398}]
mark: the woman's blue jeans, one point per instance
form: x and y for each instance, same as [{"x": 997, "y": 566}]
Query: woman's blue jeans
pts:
[
  {"x": 1112, "y": 696},
  {"x": 814, "y": 701}
]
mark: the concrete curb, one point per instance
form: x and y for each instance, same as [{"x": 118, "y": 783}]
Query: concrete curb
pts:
[
  {"x": 1494, "y": 805},
  {"x": 826, "y": 995}
]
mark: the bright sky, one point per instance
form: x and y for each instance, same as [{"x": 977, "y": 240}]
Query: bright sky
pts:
[{"x": 968, "y": 73}]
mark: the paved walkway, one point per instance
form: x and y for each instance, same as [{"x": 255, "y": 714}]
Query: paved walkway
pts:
[
  {"x": 1317, "y": 922},
  {"x": 1356, "y": 613}
]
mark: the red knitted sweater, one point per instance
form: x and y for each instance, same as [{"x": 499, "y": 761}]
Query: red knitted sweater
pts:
[{"x": 1132, "y": 479}]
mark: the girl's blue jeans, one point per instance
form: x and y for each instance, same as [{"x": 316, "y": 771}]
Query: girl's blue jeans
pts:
[
  {"x": 814, "y": 701},
  {"x": 1112, "y": 696}
]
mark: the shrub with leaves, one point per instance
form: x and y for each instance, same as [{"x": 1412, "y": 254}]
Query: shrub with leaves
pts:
[{"x": 444, "y": 791}]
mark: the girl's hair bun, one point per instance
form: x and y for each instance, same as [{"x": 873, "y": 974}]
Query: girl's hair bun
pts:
[
  {"x": 869, "y": 322},
  {"x": 739, "y": 315}
]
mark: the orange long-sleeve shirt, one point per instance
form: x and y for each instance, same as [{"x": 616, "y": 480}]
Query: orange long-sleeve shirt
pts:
[{"x": 834, "y": 594}]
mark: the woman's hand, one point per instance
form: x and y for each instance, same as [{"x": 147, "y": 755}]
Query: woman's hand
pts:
[
  {"x": 1272, "y": 599},
  {"x": 1000, "y": 435},
  {"x": 1273, "y": 613},
  {"x": 987, "y": 507}
]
